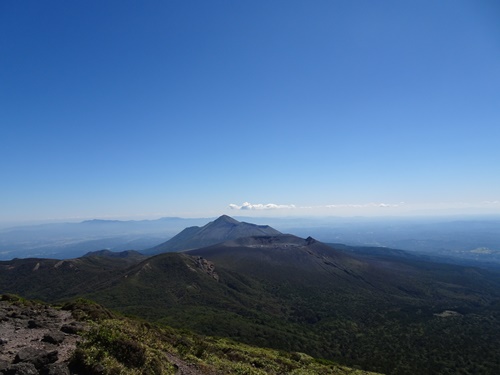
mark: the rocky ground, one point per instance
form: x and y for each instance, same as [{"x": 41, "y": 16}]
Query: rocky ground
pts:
[{"x": 35, "y": 338}]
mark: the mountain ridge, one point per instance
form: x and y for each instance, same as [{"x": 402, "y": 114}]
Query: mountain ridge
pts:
[{"x": 114, "y": 254}]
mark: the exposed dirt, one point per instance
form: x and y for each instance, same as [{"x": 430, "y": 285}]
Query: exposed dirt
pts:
[{"x": 183, "y": 368}]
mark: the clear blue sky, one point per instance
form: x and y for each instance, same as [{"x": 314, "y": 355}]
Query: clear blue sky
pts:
[{"x": 145, "y": 109}]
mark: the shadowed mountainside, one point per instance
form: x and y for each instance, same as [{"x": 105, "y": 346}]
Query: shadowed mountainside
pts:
[{"x": 222, "y": 229}]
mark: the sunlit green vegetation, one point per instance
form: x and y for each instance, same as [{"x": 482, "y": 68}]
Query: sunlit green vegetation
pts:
[{"x": 118, "y": 345}]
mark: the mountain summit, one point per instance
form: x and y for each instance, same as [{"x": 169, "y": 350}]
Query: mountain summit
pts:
[
  {"x": 222, "y": 229},
  {"x": 226, "y": 219}
]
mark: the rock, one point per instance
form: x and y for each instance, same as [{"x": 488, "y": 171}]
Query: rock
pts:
[
  {"x": 57, "y": 369},
  {"x": 310, "y": 240},
  {"x": 53, "y": 337},
  {"x": 21, "y": 369},
  {"x": 3, "y": 341},
  {"x": 34, "y": 324},
  {"x": 38, "y": 357},
  {"x": 207, "y": 266},
  {"x": 24, "y": 314},
  {"x": 3, "y": 365},
  {"x": 98, "y": 369},
  {"x": 71, "y": 328}
]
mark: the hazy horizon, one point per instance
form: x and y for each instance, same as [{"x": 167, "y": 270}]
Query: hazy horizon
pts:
[
  {"x": 265, "y": 219},
  {"x": 121, "y": 110}
]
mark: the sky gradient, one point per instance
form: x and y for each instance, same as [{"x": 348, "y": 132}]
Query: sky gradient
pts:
[{"x": 126, "y": 109}]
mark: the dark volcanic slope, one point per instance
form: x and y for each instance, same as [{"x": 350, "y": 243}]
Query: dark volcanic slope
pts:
[
  {"x": 223, "y": 229},
  {"x": 242, "y": 276},
  {"x": 292, "y": 266},
  {"x": 282, "y": 258}
]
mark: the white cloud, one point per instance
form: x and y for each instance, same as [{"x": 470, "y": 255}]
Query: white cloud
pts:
[{"x": 260, "y": 206}]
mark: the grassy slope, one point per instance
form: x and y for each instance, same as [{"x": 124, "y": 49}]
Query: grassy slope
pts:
[{"x": 129, "y": 346}]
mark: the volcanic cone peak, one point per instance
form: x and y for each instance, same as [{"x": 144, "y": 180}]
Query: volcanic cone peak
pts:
[{"x": 222, "y": 229}]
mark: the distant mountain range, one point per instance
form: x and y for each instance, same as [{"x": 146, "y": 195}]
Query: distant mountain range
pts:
[
  {"x": 461, "y": 240},
  {"x": 71, "y": 240},
  {"x": 382, "y": 309}
]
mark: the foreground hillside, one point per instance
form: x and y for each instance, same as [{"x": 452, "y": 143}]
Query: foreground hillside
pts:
[{"x": 83, "y": 338}]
